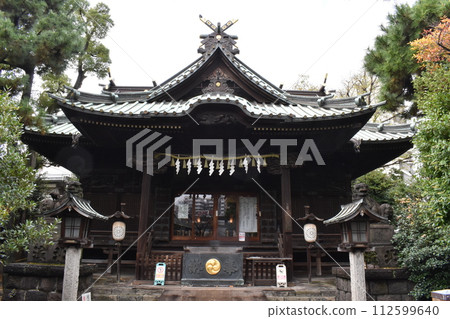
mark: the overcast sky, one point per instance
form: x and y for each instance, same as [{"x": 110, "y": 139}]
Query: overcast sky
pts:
[{"x": 282, "y": 39}]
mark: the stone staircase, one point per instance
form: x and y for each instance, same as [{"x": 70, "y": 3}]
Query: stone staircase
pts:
[
  {"x": 125, "y": 293},
  {"x": 293, "y": 295},
  {"x": 213, "y": 294},
  {"x": 108, "y": 289},
  {"x": 319, "y": 290}
]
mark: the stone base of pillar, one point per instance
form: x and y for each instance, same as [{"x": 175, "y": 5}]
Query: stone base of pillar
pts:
[
  {"x": 357, "y": 275},
  {"x": 71, "y": 274}
]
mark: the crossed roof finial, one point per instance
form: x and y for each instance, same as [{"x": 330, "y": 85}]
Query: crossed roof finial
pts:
[{"x": 218, "y": 28}]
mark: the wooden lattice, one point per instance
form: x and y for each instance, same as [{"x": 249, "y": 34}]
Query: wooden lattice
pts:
[{"x": 173, "y": 261}]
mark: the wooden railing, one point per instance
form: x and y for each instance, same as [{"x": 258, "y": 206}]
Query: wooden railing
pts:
[
  {"x": 173, "y": 261},
  {"x": 103, "y": 240}
]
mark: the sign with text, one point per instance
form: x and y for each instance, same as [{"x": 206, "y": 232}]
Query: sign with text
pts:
[
  {"x": 281, "y": 276},
  {"x": 248, "y": 221},
  {"x": 86, "y": 297},
  {"x": 160, "y": 274}
]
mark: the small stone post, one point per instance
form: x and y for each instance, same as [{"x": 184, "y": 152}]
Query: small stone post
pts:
[
  {"x": 357, "y": 275},
  {"x": 71, "y": 274}
]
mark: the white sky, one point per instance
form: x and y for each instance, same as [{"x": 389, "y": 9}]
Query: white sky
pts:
[{"x": 153, "y": 40}]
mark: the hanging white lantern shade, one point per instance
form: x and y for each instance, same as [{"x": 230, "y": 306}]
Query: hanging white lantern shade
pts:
[{"x": 310, "y": 233}]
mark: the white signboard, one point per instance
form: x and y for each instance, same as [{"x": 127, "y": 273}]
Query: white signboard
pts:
[
  {"x": 183, "y": 211},
  {"x": 160, "y": 274},
  {"x": 248, "y": 221},
  {"x": 86, "y": 297},
  {"x": 281, "y": 276}
]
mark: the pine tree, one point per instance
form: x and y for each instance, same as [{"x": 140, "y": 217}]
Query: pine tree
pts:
[
  {"x": 39, "y": 36},
  {"x": 391, "y": 59}
]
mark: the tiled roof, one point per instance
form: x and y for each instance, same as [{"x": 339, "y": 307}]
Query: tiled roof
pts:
[
  {"x": 279, "y": 96},
  {"x": 295, "y": 112},
  {"x": 80, "y": 205},
  {"x": 373, "y": 132}
]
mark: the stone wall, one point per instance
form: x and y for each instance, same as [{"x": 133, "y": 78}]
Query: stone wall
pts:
[
  {"x": 381, "y": 284},
  {"x": 39, "y": 282}
]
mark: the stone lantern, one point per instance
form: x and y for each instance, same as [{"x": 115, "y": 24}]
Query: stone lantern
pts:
[
  {"x": 355, "y": 219},
  {"x": 75, "y": 214}
]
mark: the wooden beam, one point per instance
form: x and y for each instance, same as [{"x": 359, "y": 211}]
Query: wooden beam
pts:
[
  {"x": 143, "y": 220},
  {"x": 286, "y": 200},
  {"x": 286, "y": 218}
]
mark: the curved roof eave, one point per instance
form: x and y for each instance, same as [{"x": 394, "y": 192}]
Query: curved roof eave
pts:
[{"x": 291, "y": 112}]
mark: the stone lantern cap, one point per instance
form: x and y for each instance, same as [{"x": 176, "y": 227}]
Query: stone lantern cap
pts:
[
  {"x": 353, "y": 210},
  {"x": 80, "y": 205}
]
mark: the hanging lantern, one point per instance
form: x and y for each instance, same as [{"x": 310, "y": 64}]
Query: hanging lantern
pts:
[
  {"x": 118, "y": 230},
  {"x": 310, "y": 233}
]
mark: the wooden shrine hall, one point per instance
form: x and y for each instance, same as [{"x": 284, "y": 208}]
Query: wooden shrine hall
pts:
[{"x": 216, "y": 163}]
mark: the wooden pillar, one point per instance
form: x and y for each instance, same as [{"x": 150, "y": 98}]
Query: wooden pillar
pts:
[
  {"x": 286, "y": 218},
  {"x": 286, "y": 201},
  {"x": 309, "y": 263},
  {"x": 357, "y": 275},
  {"x": 319, "y": 263},
  {"x": 143, "y": 220}
]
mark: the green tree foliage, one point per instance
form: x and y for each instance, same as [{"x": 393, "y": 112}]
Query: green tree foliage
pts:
[
  {"x": 38, "y": 36},
  {"x": 11, "y": 79},
  {"x": 391, "y": 58},
  {"x": 19, "y": 225},
  {"x": 423, "y": 245},
  {"x": 385, "y": 188},
  {"x": 55, "y": 84},
  {"x": 46, "y": 37},
  {"x": 423, "y": 221},
  {"x": 94, "y": 57}
]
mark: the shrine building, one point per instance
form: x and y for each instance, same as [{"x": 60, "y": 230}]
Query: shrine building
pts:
[{"x": 216, "y": 161}]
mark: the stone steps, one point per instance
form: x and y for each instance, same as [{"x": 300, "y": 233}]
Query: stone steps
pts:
[
  {"x": 213, "y": 294},
  {"x": 301, "y": 295},
  {"x": 177, "y": 293},
  {"x": 131, "y": 290},
  {"x": 124, "y": 293}
]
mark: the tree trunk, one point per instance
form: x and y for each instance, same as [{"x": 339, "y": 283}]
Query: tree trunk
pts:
[
  {"x": 80, "y": 77},
  {"x": 26, "y": 95}
]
